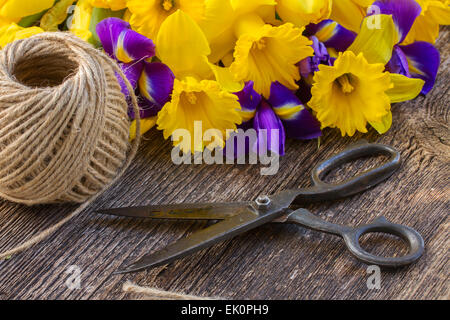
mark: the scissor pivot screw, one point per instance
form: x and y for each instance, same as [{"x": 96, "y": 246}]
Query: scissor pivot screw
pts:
[{"x": 263, "y": 201}]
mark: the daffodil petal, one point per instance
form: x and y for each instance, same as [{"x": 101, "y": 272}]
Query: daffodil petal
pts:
[
  {"x": 13, "y": 32},
  {"x": 81, "y": 20},
  {"x": 404, "y": 88},
  {"x": 376, "y": 39},
  {"x": 439, "y": 11},
  {"x": 247, "y": 6},
  {"x": 348, "y": 14},
  {"x": 182, "y": 45},
  {"x": 303, "y": 12},
  {"x": 226, "y": 79},
  {"x": 384, "y": 125},
  {"x": 423, "y": 60},
  {"x": 404, "y": 13},
  {"x": 297, "y": 120},
  {"x": 19, "y": 9}
]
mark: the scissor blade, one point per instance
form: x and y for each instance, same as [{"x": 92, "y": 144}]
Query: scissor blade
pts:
[
  {"x": 188, "y": 211},
  {"x": 226, "y": 229}
]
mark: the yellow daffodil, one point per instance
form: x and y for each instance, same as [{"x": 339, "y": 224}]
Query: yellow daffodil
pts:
[
  {"x": 356, "y": 90},
  {"x": 13, "y": 32},
  {"x": 14, "y": 10},
  {"x": 146, "y": 17},
  {"x": 265, "y": 54},
  {"x": 220, "y": 18},
  {"x": 303, "y": 12},
  {"x": 114, "y": 5},
  {"x": 426, "y": 26},
  {"x": 81, "y": 20},
  {"x": 350, "y": 13},
  {"x": 201, "y": 91}
]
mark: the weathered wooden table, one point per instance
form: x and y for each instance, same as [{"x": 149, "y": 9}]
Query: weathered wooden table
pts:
[{"x": 271, "y": 262}]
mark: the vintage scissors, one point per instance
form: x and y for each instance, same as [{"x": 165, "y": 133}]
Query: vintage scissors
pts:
[{"x": 240, "y": 217}]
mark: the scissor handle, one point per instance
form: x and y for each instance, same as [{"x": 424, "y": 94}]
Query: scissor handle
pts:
[
  {"x": 323, "y": 191},
  {"x": 412, "y": 238},
  {"x": 352, "y": 236}
]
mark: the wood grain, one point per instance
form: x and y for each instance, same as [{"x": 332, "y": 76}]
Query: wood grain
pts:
[{"x": 271, "y": 262}]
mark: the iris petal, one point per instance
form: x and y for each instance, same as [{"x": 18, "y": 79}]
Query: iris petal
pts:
[
  {"x": 109, "y": 31},
  {"x": 331, "y": 34},
  {"x": 298, "y": 122},
  {"x": 398, "y": 63},
  {"x": 122, "y": 43},
  {"x": 270, "y": 131},
  {"x": 404, "y": 13},
  {"x": 310, "y": 65},
  {"x": 423, "y": 59},
  {"x": 156, "y": 86},
  {"x": 249, "y": 100},
  {"x": 132, "y": 46},
  {"x": 132, "y": 71}
]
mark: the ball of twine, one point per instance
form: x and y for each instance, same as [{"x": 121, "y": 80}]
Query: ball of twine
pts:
[{"x": 64, "y": 129}]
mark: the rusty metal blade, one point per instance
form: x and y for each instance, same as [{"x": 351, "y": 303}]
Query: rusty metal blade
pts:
[
  {"x": 223, "y": 230},
  {"x": 183, "y": 211}
]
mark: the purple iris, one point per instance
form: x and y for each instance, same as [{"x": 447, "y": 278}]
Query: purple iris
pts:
[
  {"x": 326, "y": 35},
  {"x": 310, "y": 65},
  {"x": 281, "y": 116},
  {"x": 332, "y": 34},
  {"x": 133, "y": 52},
  {"x": 417, "y": 60}
]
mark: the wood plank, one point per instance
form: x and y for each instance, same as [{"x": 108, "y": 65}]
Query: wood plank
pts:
[{"x": 271, "y": 262}]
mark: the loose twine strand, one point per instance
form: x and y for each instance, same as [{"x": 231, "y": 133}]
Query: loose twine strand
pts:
[
  {"x": 157, "y": 294},
  {"x": 63, "y": 125}
]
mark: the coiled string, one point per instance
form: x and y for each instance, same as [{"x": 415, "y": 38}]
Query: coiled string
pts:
[{"x": 64, "y": 129}]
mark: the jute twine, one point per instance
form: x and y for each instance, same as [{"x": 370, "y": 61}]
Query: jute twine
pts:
[
  {"x": 157, "y": 294},
  {"x": 64, "y": 129}
]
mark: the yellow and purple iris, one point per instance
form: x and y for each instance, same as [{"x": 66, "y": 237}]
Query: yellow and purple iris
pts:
[
  {"x": 282, "y": 112},
  {"x": 134, "y": 52},
  {"x": 419, "y": 59}
]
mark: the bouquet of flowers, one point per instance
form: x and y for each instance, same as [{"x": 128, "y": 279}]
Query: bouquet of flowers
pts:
[{"x": 295, "y": 66}]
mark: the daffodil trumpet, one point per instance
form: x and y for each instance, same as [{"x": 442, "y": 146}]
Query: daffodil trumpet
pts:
[{"x": 278, "y": 49}]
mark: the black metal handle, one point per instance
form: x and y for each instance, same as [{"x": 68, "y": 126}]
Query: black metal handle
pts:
[
  {"x": 323, "y": 191},
  {"x": 351, "y": 237},
  {"x": 412, "y": 238}
]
